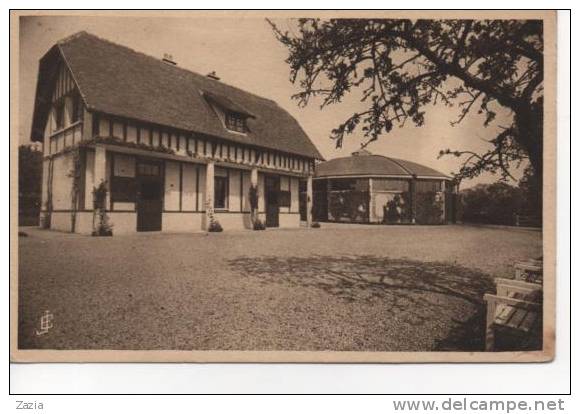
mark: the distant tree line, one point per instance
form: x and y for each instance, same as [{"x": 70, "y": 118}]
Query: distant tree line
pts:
[
  {"x": 500, "y": 202},
  {"x": 29, "y": 185}
]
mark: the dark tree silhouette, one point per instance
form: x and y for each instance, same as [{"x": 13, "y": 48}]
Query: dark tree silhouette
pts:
[
  {"x": 400, "y": 66},
  {"x": 29, "y": 184}
]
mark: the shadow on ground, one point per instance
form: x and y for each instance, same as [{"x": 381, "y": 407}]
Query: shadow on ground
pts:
[{"x": 421, "y": 291}]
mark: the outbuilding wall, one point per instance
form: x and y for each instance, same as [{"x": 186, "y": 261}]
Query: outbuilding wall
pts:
[{"x": 388, "y": 200}]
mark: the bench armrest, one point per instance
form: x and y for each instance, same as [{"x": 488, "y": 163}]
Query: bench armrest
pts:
[
  {"x": 519, "y": 303},
  {"x": 504, "y": 286}
]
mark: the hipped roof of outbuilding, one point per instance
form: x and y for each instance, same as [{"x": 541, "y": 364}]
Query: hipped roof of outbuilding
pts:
[{"x": 365, "y": 164}]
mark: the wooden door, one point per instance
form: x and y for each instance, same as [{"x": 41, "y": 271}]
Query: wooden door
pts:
[
  {"x": 272, "y": 184},
  {"x": 149, "y": 196}
]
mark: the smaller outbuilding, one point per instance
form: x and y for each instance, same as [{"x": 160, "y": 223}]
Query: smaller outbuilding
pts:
[{"x": 367, "y": 188}]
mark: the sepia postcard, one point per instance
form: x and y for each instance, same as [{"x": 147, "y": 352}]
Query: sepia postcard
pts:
[{"x": 297, "y": 186}]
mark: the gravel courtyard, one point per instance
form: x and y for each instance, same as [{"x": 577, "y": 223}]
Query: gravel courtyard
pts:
[{"x": 341, "y": 287}]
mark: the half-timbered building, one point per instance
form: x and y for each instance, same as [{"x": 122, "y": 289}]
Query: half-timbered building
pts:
[{"x": 172, "y": 148}]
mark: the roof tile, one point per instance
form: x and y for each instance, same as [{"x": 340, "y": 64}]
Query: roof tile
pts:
[{"x": 117, "y": 80}]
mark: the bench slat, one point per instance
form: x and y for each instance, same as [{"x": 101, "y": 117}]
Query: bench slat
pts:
[{"x": 517, "y": 316}]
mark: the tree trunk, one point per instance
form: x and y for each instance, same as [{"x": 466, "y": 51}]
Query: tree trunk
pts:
[{"x": 529, "y": 122}]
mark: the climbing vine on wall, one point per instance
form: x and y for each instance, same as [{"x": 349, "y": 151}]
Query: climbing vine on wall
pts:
[
  {"x": 76, "y": 174},
  {"x": 257, "y": 224},
  {"x": 101, "y": 225},
  {"x": 213, "y": 225},
  {"x": 48, "y": 205}
]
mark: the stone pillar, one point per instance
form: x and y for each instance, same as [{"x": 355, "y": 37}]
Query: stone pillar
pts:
[
  {"x": 99, "y": 177},
  {"x": 87, "y": 125},
  {"x": 209, "y": 192},
  {"x": 254, "y": 177},
  {"x": 413, "y": 198},
  {"x": 309, "y": 201},
  {"x": 371, "y": 213},
  {"x": 254, "y": 212},
  {"x": 443, "y": 194},
  {"x": 100, "y": 173}
]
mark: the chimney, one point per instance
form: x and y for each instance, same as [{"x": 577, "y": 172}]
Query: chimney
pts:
[
  {"x": 167, "y": 58},
  {"x": 213, "y": 75},
  {"x": 361, "y": 151}
]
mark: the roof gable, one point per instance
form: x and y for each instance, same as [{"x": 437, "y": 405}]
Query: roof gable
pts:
[{"x": 119, "y": 81}]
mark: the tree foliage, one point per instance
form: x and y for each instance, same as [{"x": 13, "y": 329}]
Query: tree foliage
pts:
[
  {"x": 29, "y": 171},
  {"x": 401, "y": 66},
  {"x": 29, "y": 184},
  {"x": 495, "y": 203}
]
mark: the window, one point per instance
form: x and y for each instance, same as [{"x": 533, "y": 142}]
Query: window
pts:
[
  {"x": 221, "y": 192},
  {"x": 236, "y": 122},
  {"x": 59, "y": 115},
  {"x": 284, "y": 198},
  {"x": 389, "y": 184},
  {"x": 148, "y": 169},
  {"x": 346, "y": 184},
  {"x": 77, "y": 108},
  {"x": 430, "y": 186},
  {"x": 123, "y": 189}
]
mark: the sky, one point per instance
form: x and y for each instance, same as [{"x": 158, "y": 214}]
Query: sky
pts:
[{"x": 242, "y": 50}]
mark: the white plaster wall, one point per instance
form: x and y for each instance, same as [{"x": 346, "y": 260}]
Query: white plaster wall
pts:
[
  {"x": 246, "y": 196},
  {"x": 131, "y": 133},
  {"x": 108, "y": 160},
  {"x": 60, "y": 221},
  {"x": 172, "y": 141},
  {"x": 123, "y": 223},
  {"x": 165, "y": 139},
  {"x": 182, "y": 145},
  {"x": 202, "y": 144},
  {"x": 156, "y": 141},
  {"x": 61, "y": 182},
  {"x": 288, "y": 220},
  {"x": 171, "y": 186},
  {"x": 44, "y": 184},
  {"x": 84, "y": 223},
  {"x": 261, "y": 193},
  {"x": 77, "y": 134},
  {"x": 144, "y": 134},
  {"x": 118, "y": 129},
  {"x": 294, "y": 190},
  {"x": 125, "y": 206},
  {"x": 104, "y": 127},
  {"x": 68, "y": 136},
  {"x": 233, "y": 221},
  {"x": 47, "y": 130},
  {"x": 182, "y": 222},
  {"x": 188, "y": 196},
  {"x": 202, "y": 173},
  {"x": 234, "y": 195},
  {"x": 89, "y": 179}
]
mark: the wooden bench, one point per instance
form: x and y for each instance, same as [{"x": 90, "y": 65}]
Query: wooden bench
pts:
[
  {"x": 529, "y": 271},
  {"x": 517, "y": 307},
  {"x": 527, "y": 221}
]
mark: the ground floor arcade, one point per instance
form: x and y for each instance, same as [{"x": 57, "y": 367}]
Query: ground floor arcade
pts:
[{"x": 148, "y": 191}]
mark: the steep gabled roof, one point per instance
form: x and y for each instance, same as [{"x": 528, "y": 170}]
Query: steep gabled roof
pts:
[
  {"x": 367, "y": 164},
  {"x": 119, "y": 81}
]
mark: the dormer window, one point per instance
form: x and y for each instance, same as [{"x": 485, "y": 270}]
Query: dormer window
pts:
[
  {"x": 233, "y": 115},
  {"x": 236, "y": 122}
]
